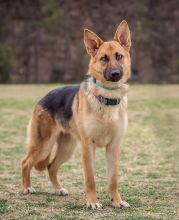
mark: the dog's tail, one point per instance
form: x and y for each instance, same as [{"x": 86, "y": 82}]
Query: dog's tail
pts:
[{"x": 43, "y": 164}]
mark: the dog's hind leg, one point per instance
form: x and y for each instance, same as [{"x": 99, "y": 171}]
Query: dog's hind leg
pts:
[
  {"x": 42, "y": 134},
  {"x": 27, "y": 164},
  {"x": 37, "y": 157},
  {"x": 65, "y": 148}
]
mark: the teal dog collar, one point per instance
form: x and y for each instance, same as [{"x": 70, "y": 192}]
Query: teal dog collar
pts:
[{"x": 102, "y": 85}]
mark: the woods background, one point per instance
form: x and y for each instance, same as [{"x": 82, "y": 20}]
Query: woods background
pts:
[{"x": 42, "y": 40}]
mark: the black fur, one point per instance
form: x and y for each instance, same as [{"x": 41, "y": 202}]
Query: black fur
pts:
[{"x": 59, "y": 102}]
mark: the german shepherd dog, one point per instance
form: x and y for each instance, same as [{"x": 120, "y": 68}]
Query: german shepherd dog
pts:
[{"x": 94, "y": 113}]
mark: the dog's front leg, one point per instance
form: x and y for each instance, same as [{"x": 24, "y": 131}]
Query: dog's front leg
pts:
[
  {"x": 90, "y": 187},
  {"x": 112, "y": 157}
]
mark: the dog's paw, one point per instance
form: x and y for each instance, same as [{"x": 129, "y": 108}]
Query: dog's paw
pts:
[
  {"x": 29, "y": 190},
  {"x": 94, "y": 205},
  {"x": 61, "y": 192},
  {"x": 121, "y": 205},
  {"x": 124, "y": 204}
]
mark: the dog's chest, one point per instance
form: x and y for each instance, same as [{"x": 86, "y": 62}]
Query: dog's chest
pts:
[{"x": 107, "y": 128}]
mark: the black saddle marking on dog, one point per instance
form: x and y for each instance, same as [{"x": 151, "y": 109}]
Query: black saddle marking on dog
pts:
[{"x": 58, "y": 102}]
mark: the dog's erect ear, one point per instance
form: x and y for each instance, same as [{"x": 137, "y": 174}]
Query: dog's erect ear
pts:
[
  {"x": 92, "y": 42},
  {"x": 123, "y": 35}
]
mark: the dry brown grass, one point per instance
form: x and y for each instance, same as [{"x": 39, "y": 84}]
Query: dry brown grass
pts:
[{"x": 149, "y": 160}]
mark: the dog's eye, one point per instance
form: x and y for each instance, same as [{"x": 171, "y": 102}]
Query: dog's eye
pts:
[
  {"x": 118, "y": 56},
  {"x": 105, "y": 58}
]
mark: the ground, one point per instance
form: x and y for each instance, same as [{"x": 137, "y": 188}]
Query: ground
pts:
[{"x": 148, "y": 180}]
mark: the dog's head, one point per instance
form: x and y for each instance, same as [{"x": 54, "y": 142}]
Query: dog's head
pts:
[{"x": 110, "y": 61}]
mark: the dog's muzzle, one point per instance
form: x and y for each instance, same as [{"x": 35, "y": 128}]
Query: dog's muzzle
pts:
[{"x": 113, "y": 75}]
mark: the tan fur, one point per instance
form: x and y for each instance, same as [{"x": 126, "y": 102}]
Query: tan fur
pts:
[{"x": 93, "y": 124}]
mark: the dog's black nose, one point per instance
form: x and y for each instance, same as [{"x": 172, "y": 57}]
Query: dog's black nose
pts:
[{"x": 116, "y": 75}]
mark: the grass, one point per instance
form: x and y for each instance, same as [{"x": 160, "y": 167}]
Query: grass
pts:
[{"x": 149, "y": 178}]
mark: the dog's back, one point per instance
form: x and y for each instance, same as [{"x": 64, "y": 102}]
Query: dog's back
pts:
[{"x": 59, "y": 103}]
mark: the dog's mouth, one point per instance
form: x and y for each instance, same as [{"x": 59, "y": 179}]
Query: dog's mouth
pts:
[{"x": 113, "y": 75}]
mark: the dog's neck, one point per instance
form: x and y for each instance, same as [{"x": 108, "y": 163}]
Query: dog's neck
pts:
[
  {"x": 117, "y": 102},
  {"x": 100, "y": 84},
  {"x": 98, "y": 89}
]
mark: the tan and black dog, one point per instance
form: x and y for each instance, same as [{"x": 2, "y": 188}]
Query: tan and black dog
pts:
[{"x": 94, "y": 113}]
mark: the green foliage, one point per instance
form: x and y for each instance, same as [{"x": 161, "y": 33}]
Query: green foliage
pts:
[
  {"x": 53, "y": 15},
  {"x": 56, "y": 75},
  {"x": 3, "y": 206},
  {"x": 6, "y": 59}
]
